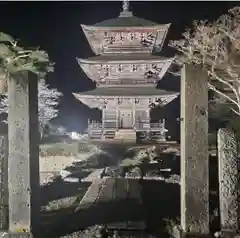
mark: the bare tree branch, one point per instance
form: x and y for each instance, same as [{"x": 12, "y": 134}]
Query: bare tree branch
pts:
[
  {"x": 216, "y": 47},
  {"x": 48, "y": 100}
]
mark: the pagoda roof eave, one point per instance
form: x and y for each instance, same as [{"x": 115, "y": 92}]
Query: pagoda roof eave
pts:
[
  {"x": 83, "y": 96},
  {"x": 124, "y": 92},
  {"x": 94, "y": 35},
  {"x": 94, "y": 100},
  {"x": 155, "y": 26},
  {"x": 131, "y": 58}
]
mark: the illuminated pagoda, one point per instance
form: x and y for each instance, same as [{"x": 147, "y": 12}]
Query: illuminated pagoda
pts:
[{"x": 126, "y": 73}]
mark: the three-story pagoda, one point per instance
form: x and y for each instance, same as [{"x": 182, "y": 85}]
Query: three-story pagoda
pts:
[{"x": 126, "y": 73}]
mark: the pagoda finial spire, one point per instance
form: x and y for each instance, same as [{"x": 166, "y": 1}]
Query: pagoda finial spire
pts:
[
  {"x": 125, "y": 9},
  {"x": 125, "y": 5}
]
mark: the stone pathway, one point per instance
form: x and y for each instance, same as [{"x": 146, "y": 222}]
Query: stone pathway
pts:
[{"x": 94, "y": 175}]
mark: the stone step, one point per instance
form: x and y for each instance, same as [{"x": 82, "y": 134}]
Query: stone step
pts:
[
  {"x": 125, "y": 134},
  {"x": 93, "y": 176},
  {"x": 125, "y": 131}
]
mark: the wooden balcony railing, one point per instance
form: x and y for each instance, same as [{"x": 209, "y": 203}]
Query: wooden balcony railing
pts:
[
  {"x": 139, "y": 126},
  {"x": 149, "y": 126},
  {"x": 94, "y": 125},
  {"x": 99, "y": 125}
]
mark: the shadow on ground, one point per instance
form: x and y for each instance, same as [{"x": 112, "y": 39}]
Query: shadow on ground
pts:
[
  {"x": 60, "y": 189},
  {"x": 110, "y": 156},
  {"x": 159, "y": 200}
]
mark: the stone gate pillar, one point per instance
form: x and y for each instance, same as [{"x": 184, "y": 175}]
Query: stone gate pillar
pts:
[
  {"x": 23, "y": 160},
  {"x": 194, "y": 152},
  {"x": 3, "y": 182},
  {"x": 228, "y": 182}
]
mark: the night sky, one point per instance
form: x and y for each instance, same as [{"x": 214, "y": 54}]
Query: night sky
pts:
[{"x": 55, "y": 27}]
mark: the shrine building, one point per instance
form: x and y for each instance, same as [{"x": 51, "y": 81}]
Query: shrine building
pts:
[{"x": 126, "y": 73}]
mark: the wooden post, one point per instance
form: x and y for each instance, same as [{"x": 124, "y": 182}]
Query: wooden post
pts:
[
  {"x": 23, "y": 160},
  {"x": 103, "y": 124},
  {"x": 3, "y": 182},
  {"x": 194, "y": 152},
  {"x": 228, "y": 182},
  {"x": 115, "y": 234}
]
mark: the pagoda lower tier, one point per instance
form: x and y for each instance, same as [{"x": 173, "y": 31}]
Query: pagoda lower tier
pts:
[{"x": 126, "y": 112}]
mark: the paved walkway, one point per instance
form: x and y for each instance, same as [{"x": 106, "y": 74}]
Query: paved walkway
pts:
[{"x": 94, "y": 175}]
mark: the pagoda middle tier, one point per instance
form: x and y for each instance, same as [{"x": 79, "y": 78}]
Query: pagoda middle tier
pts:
[
  {"x": 124, "y": 97},
  {"x": 125, "y": 70}
]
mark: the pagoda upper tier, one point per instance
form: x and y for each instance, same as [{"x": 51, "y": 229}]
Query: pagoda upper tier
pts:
[
  {"x": 125, "y": 34},
  {"x": 126, "y": 69}
]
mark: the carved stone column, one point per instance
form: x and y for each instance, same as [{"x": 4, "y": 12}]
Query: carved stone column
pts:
[
  {"x": 194, "y": 152},
  {"x": 23, "y": 160},
  {"x": 228, "y": 181}
]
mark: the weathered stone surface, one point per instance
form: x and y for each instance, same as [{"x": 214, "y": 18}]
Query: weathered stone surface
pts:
[
  {"x": 23, "y": 160},
  {"x": 3, "y": 182},
  {"x": 194, "y": 151},
  {"x": 17, "y": 235},
  {"x": 228, "y": 179}
]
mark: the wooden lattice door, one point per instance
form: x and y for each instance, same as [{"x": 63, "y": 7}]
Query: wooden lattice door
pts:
[{"x": 126, "y": 119}]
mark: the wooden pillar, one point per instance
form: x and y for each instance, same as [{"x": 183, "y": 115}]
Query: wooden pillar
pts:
[
  {"x": 163, "y": 129},
  {"x": 23, "y": 160},
  {"x": 148, "y": 115},
  {"x": 103, "y": 123},
  {"x": 228, "y": 182},
  {"x": 133, "y": 113},
  {"x": 103, "y": 116},
  {"x": 115, "y": 234},
  {"x": 194, "y": 152},
  {"x": 117, "y": 119},
  {"x": 3, "y": 182}
]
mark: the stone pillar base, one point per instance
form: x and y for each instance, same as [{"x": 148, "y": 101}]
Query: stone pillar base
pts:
[
  {"x": 195, "y": 235},
  {"x": 178, "y": 233},
  {"x": 227, "y": 234},
  {"x": 15, "y": 235}
]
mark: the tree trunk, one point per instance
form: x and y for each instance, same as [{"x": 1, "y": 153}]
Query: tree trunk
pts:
[
  {"x": 23, "y": 160},
  {"x": 3, "y": 182},
  {"x": 228, "y": 180}
]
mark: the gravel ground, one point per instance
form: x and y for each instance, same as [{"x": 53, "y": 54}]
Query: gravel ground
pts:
[
  {"x": 91, "y": 232},
  {"x": 60, "y": 203},
  {"x": 48, "y": 177}
]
